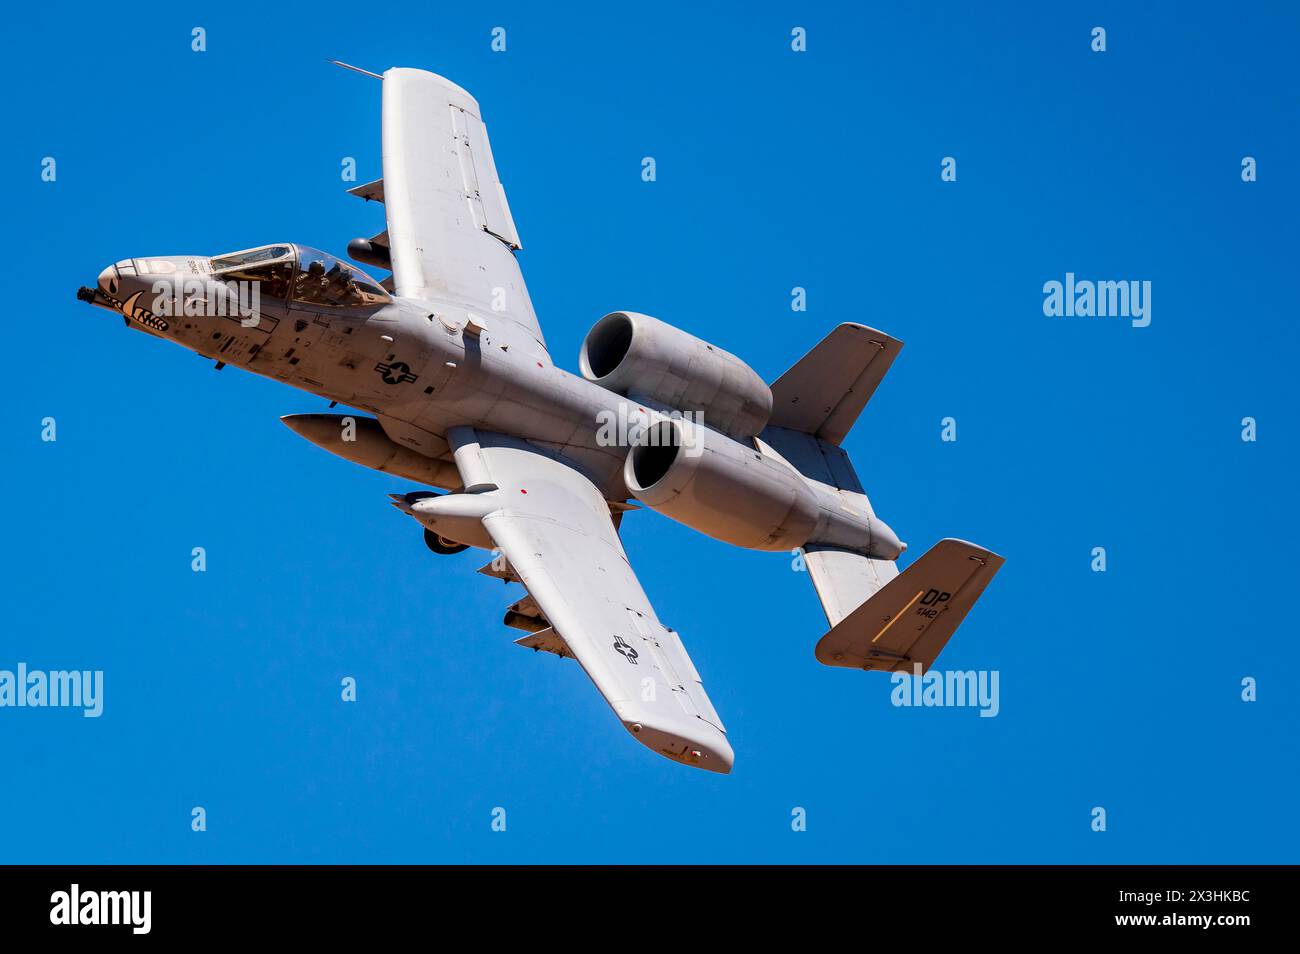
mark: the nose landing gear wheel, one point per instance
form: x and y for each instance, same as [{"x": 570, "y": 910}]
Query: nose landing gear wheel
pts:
[{"x": 442, "y": 545}]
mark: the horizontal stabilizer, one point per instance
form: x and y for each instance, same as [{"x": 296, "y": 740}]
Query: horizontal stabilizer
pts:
[
  {"x": 908, "y": 622},
  {"x": 827, "y": 388}
]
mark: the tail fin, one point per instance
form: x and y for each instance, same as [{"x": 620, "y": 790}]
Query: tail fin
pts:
[
  {"x": 879, "y": 618},
  {"x": 826, "y": 389},
  {"x": 909, "y": 620}
]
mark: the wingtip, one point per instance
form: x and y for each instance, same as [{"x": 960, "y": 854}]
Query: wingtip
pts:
[{"x": 715, "y": 755}]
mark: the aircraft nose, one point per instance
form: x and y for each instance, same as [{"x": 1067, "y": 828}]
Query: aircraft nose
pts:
[{"x": 110, "y": 279}]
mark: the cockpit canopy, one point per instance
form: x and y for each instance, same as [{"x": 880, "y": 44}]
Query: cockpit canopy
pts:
[{"x": 305, "y": 276}]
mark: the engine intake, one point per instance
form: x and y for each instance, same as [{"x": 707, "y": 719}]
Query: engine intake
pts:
[{"x": 644, "y": 358}]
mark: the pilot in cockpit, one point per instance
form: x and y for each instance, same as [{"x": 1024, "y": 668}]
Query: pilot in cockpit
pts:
[{"x": 319, "y": 279}]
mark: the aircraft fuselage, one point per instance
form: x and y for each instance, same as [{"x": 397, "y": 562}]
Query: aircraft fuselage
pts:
[
  {"x": 425, "y": 367},
  {"x": 403, "y": 362}
]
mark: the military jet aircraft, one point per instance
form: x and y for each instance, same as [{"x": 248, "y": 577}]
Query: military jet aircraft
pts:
[{"x": 539, "y": 464}]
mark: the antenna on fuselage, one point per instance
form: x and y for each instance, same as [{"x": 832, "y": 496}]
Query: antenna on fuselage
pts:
[{"x": 349, "y": 66}]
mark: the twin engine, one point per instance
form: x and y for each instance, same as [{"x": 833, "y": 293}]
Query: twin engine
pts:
[{"x": 717, "y": 477}]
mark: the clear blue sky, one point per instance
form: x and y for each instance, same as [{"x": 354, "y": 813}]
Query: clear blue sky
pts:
[{"x": 775, "y": 169}]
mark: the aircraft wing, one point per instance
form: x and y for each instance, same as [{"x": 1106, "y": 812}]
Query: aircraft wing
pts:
[
  {"x": 554, "y": 528},
  {"x": 450, "y": 233}
]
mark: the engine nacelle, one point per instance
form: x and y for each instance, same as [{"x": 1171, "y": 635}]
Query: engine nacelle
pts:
[
  {"x": 720, "y": 487},
  {"x": 642, "y": 357},
  {"x": 740, "y": 495}
]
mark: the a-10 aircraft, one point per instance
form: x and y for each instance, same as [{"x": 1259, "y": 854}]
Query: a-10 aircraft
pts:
[{"x": 541, "y": 464}]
